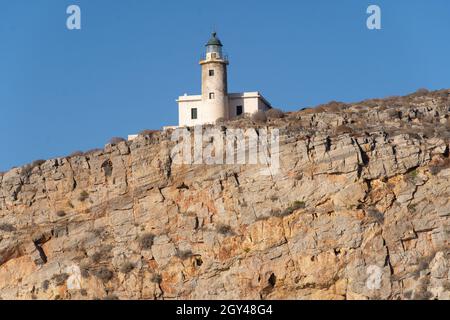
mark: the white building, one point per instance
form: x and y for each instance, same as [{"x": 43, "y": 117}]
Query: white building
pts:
[{"x": 215, "y": 102}]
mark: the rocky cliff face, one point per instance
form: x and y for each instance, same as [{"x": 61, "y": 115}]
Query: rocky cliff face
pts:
[{"x": 359, "y": 210}]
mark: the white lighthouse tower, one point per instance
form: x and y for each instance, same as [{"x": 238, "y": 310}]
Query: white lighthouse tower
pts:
[
  {"x": 216, "y": 102},
  {"x": 214, "y": 82}
]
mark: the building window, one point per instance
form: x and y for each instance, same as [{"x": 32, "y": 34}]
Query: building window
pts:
[
  {"x": 211, "y": 95},
  {"x": 194, "y": 113},
  {"x": 239, "y": 110},
  {"x": 211, "y": 73}
]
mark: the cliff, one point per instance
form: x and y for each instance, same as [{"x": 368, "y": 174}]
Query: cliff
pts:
[{"x": 358, "y": 210}]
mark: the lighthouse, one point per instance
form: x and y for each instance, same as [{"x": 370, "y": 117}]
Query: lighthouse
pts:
[
  {"x": 214, "y": 81},
  {"x": 215, "y": 102}
]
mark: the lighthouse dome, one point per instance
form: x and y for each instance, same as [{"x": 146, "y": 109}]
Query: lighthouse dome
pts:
[{"x": 214, "y": 41}]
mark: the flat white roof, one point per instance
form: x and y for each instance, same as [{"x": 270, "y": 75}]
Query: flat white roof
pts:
[
  {"x": 254, "y": 94},
  {"x": 238, "y": 95},
  {"x": 189, "y": 98}
]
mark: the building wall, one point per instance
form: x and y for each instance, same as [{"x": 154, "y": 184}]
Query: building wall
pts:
[
  {"x": 250, "y": 102},
  {"x": 249, "y": 105},
  {"x": 263, "y": 105},
  {"x": 185, "y": 104}
]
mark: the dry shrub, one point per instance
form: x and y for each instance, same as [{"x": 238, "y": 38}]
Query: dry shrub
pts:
[
  {"x": 297, "y": 205},
  {"x": 183, "y": 254},
  {"x": 343, "y": 129},
  {"x": 307, "y": 111},
  {"x": 320, "y": 109},
  {"x": 156, "y": 278},
  {"x": 116, "y": 140},
  {"x": 146, "y": 241},
  {"x": 61, "y": 213},
  {"x": 77, "y": 153},
  {"x": 92, "y": 151},
  {"x": 421, "y": 292},
  {"x": 422, "y": 92},
  {"x": 375, "y": 215},
  {"x": 333, "y": 106},
  {"x": 224, "y": 229},
  {"x": 220, "y": 121},
  {"x": 148, "y": 132},
  {"x": 438, "y": 165},
  {"x": 274, "y": 114},
  {"x": 259, "y": 116},
  {"x": 104, "y": 274},
  {"x": 127, "y": 267},
  {"x": 372, "y": 103},
  {"x": 107, "y": 167},
  {"x": 60, "y": 279},
  {"x": 85, "y": 272},
  {"x": 394, "y": 113},
  {"x": 7, "y": 227},
  {"x": 26, "y": 170},
  {"x": 83, "y": 196},
  {"x": 45, "y": 285},
  {"x": 102, "y": 255}
]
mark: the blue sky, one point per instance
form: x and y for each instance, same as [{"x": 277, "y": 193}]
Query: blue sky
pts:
[{"x": 62, "y": 90}]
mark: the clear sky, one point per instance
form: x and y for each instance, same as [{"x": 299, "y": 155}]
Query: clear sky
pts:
[{"x": 62, "y": 91}]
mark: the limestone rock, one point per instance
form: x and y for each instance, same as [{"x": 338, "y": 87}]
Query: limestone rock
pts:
[{"x": 358, "y": 210}]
